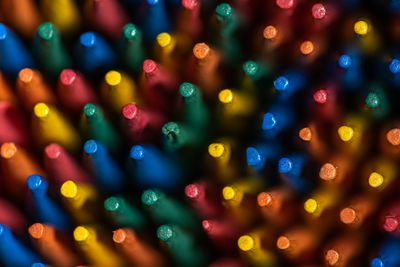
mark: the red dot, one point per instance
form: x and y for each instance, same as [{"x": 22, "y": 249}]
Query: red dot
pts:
[
  {"x": 149, "y": 66},
  {"x": 190, "y": 4},
  {"x": 191, "y": 191},
  {"x": 129, "y": 111},
  {"x": 320, "y": 96},
  {"x": 285, "y": 4},
  {"x": 390, "y": 224},
  {"x": 53, "y": 151},
  {"x": 318, "y": 11},
  {"x": 67, "y": 77}
]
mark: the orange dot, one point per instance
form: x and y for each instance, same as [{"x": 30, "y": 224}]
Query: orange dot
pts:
[
  {"x": 305, "y": 134},
  {"x": 119, "y": 236},
  {"x": 26, "y": 75},
  {"x": 393, "y": 136},
  {"x": 270, "y": 32},
  {"x": 283, "y": 242},
  {"x": 264, "y": 199},
  {"x": 201, "y": 50},
  {"x": 332, "y": 257},
  {"x": 348, "y": 215},
  {"x": 8, "y": 150},
  {"x": 327, "y": 172},
  {"x": 306, "y": 47},
  {"x": 36, "y": 230}
]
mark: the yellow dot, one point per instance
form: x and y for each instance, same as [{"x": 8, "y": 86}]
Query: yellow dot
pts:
[
  {"x": 228, "y": 192},
  {"x": 225, "y": 96},
  {"x": 375, "y": 179},
  {"x": 345, "y": 133},
  {"x": 361, "y": 27},
  {"x": 81, "y": 233},
  {"x": 216, "y": 150},
  {"x": 41, "y": 110},
  {"x": 69, "y": 189},
  {"x": 164, "y": 39},
  {"x": 310, "y": 205},
  {"x": 113, "y": 78},
  {"x": 245, "y": 243}
]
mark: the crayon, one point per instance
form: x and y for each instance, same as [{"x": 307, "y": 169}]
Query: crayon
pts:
[
  {"x": 32, "y": 89},
  {"x": 45, "y": 209},
  {"x": 108, "y": 175},
  {"x": 123, "y": 213},
  {"x": 17, "y": 164},
  {"x": 67, "y": 22},
  {"x": 50, "y": 126},
  {"x": 12, "y": 251},
  {"x": 136, "y": 250},
  {"x": 181, "y": 246},
  {"x": 141, "y": 124},
  {"x": 95, "y": 125},
  {"x": 61, "y": 166},
  {"x": 118, "y": 90},
  {"x": 132, "y": 50},
  {"x": 96, "y": 251},
  {"x": 49, "y": 50},
  {"x": 74, "y": 91},
  {"x": 15, "y": 127},
  {"x": 164, "y": 209},
  {"x": 53, "y": 245},
  {"x": 14, "y": 56},
  {"x": 106, "y": 16},
  {"x": 150, "y": 167},
  {"x": 94, "y": 53}
]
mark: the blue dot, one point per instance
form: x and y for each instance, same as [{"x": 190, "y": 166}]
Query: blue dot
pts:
[
  {"x": 152, "y": 2},
  {"x": 90, "y": 147},
  {"x": 394, "y": 66},
  {"x": 345, "y": 61},
  {"x": 137, "y": 152},
  {"x": 38, "y": 264},
  {"x": 269, "y": 121},
  {"x": 2, "y": 228},
  {"x": 253, "y": 157},
  {"x": 34, "y": 181},
  {"x": 3, "y": 31},
  {"x": 285, "y": 165},
  {"x": 88, "y": 39},
  {"x": 281, "y": 83},
  {"x": 377, "y": 262}
]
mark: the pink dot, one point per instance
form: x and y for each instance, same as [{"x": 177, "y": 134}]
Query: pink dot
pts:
[
  {"x": 67, "y": 76},
  {"x": 53, "y": 151},
  {"x": 206, "y": 225},
  {"x": 390, "y": 224},
  {"x": 320, "y": 96},
  {"x": 318, "y": 11},
  {"x": 190, "y": 4},
  {"x": 191, "y": 191},
  {"x": 129, "y": 111},
  {"x": 149, "y": 66},
  {"x": 285, "y": 4}
]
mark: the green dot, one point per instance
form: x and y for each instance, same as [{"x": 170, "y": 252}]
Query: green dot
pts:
[
  {"x": 187, "y": 89},
  {"x": 46, "y": 31},
  {"x": 164, "y": 232},
  {"x": 170, "y": 128},
  {"x": 149, "y": 197},
  {"x": 224, "y": 10},
  {"x": 372, "y": 100},
  {"x": 89, "y": 110},
  {"x": 130, "y": 31},
  {"x": 112, "y": 203},
  {"x": 250, "y": 68}
]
